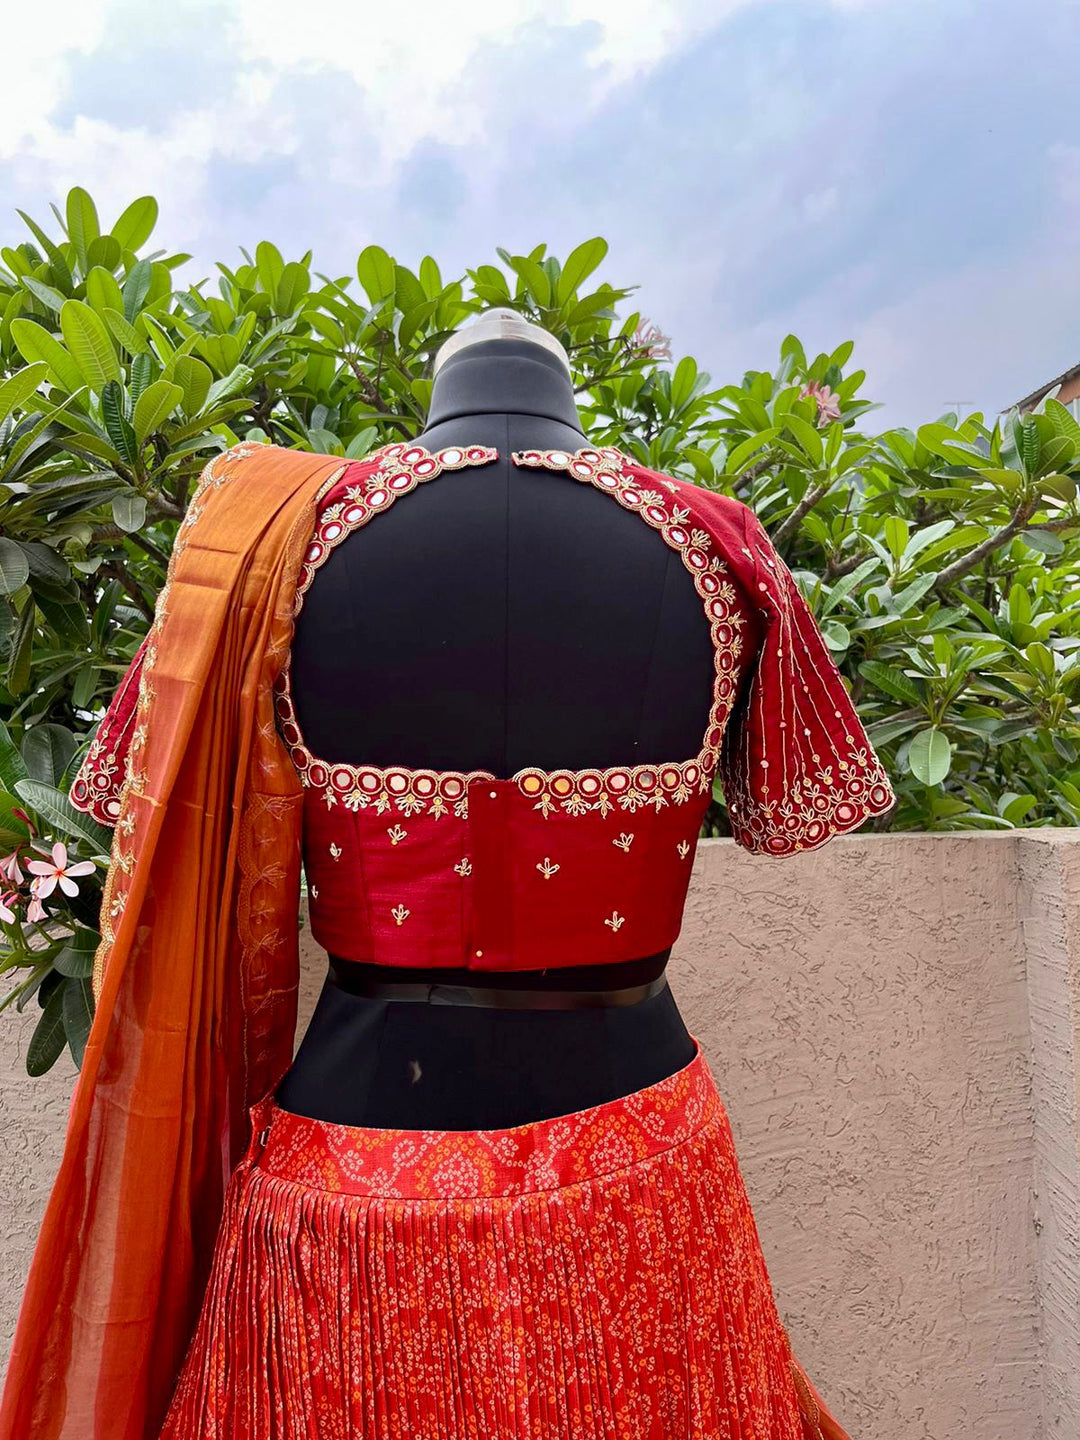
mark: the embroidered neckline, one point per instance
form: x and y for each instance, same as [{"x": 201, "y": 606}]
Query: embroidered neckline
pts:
[{"x": 399, "y": 467}]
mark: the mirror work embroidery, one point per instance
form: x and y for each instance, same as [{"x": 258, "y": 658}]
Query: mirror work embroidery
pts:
[{"x": 397, "y": 469}]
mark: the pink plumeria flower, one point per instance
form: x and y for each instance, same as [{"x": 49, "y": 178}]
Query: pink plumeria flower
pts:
[
  {"x": 9, "y": 867},
  {"x": 35, "y": 910},
  {"x": 828, "y": 402},
  {"x": 7, "y": 915},
  {"x": 58, "y": 872}
]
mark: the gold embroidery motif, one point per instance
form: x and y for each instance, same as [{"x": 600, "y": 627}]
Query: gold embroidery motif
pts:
[
  {"x": 615, "y": 920},
  {"x": 463, "y": 867},
  {"x": 314, "y": 893},
  {"x": 817, "y": 796},
  {"x": 546, "y": 868},
  {"x": 624, "y": 841},
  {"x": 336, "y": 851},
  {"x": 397, "y": 833},
  {"x": 683, "y": 848},
  {"x": 400, "y": 914},
  {"x": 398, "y": 468},
  {"x": 114, "y": 895}
]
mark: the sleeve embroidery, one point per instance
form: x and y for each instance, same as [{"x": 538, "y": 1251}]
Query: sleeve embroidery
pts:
[
  {"x": 96, "y": 787},
  {"x": 796, "y": 764}
]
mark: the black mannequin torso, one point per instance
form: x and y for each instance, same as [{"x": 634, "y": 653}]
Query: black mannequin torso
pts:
[{"x": 505, "y": 616}]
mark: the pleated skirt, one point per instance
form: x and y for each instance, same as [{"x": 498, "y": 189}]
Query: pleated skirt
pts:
[{"x": 594, "y": 1275}]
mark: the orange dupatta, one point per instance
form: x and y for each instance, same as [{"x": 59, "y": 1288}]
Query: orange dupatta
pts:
[{"x": 196, "y": 976}]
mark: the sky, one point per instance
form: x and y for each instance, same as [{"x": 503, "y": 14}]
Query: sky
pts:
[{"x": 903, "y": 173}]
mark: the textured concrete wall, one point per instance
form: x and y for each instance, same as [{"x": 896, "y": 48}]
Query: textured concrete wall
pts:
[
  {"x": 1050, "y": 914},
  {"x": 865, "y": 1013},
  {"x": 893, "y": 1022}
]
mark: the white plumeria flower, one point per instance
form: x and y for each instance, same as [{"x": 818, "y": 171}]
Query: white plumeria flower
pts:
[
  {"x": 36, "y": 910},
  {"x": 58, "y": 872}
]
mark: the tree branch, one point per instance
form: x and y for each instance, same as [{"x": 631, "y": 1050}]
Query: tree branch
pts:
[{"x": 966, "y": 563}]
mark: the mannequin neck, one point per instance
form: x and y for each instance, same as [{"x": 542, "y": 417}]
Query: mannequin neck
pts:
[{"x": 502, "y": 378}]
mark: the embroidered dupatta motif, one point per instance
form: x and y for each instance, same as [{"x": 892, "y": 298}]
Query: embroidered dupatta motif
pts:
[{"x": 196, "y": 976}]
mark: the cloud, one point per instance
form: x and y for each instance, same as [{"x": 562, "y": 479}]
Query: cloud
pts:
[{"x": 885, "y": 171}]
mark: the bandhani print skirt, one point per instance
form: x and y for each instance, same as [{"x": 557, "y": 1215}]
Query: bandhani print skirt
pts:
[{"x": 594, "y": 1276}]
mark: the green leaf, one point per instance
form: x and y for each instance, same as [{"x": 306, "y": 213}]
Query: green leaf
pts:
[
  {"x": 13, "y": 830},
  {"x": 84, "y": 686},
  {"x": 35, "y": 343},
  {"x": 12, "y": 765},
  {"x": 88, "y": 341},
  {"x": 82, "y": 223},
  {"x": 104, "y": 253},
  {"x": 102, "y": 291},
  {"x": 14, "y": 566},
  {"x": 47, "y": 750},
  {"x": 155, "y": 405},
  {"x": 1063, "y": 419},
  {"x": 50, "y": 298},
  {"x": 1016, "y": 807},
  {"x": 894, "y": 682},
  {"x": 1044, "y": 541},
  {"x": 136, "y": 223},
  {"x": 54, "y": 806},
  {"x": 18, "y": 389},
  {"x": 21, "y": 651},
  {"x": 136, "y": 288},
  {"x": 229, "y": 385},
  {"x": 126, "y": 334},
  {"x": 269, "y": 263},
  {"x": 809, "y": 438},
  {"x": 194, "y": 379},
  {"x": 683, "y": 382},
  {"x": 49, "y": 1038},
  {"x": 1030, "y": 445},
  {"x": 375, "y": 271},
  {"x": 943, "y": 440},
  {"x": 293, "y": 284},
  {"x": 75, "y": 958},
  {"x": 129, "y": 511},
  {"x": 580, "y": 264},
  {"x": 78, "y": 1012},
  {"x": 408, "y": 292},
  {"x": 117, "y": 425},
  {"x": 896, "y": 535},
  {"x": 68, "y": 618},
  {"x": 930, "y": 756},
  {"x": 535, "y": 277}
]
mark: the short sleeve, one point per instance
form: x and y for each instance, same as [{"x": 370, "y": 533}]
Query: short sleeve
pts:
[
  {"x": 100, "y": 778},
  {"x": 795, "y": 764}
]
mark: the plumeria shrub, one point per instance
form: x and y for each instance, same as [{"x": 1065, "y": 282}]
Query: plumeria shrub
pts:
[
  {"x": 941, "y": 562},
  {"x": 49, "y": 900}
]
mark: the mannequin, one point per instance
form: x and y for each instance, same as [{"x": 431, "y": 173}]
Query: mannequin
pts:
[{"x": 513, "y": 616}]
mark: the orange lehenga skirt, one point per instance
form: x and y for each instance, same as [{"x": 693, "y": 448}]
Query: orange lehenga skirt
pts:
[{"x": 595, "y": 1276}]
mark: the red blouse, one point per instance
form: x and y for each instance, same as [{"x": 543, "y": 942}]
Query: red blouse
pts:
[{"x": 425, "y": 868}]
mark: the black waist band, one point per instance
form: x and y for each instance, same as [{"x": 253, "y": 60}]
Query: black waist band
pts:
[{"x": 495, "y": 996}]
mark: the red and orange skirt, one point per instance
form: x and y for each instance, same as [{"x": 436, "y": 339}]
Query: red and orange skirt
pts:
[{"x": 594, "y": 1275}]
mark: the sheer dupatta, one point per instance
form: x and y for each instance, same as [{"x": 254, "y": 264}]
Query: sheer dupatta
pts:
[{"x": 196, "y": 976}]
